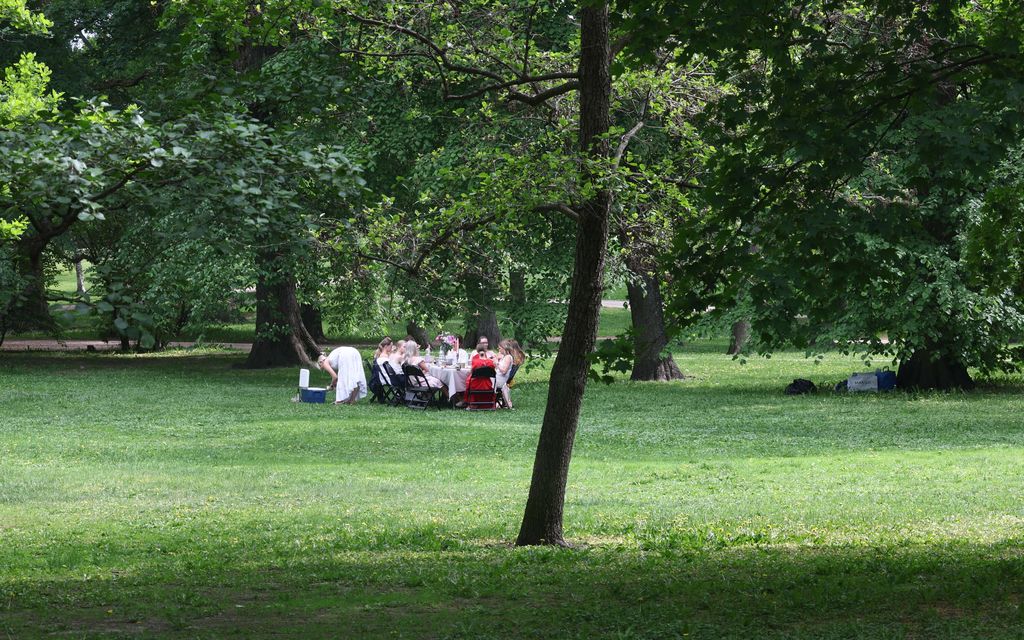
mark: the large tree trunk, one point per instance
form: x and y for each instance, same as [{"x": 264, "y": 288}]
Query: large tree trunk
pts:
[
  {"x": 418, "y": 333},
  {"x": 517, "y": 287},
  {"x": 524, "y": 327},
  {"x": 36, "y": 309},
  {"x": 281, "y": 338},
  {"x": 313, "y": 322},
  {"x": 517, "y": 298},
  {"x": 483, "y": 323},
  {"x": 483, "y": 319},
  {"x": 30, "y": 310},
  {"x": 646, "y": 308},
  {"x": 925, "y": 370},
  {"x": 542, "y": 519},
  {"x": 740, "y": 335}
]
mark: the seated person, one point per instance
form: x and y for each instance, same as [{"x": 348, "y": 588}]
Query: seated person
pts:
[
  {"x": 480, "y": 360},
  {"x": 345, "y": 367},
  {"x": 381, "y": 355},
  {"x": 509, "y": 354},
  {"x": 455, "y": 354},
  {"x": 397, "y": 356},
  {"x": 412, "y": 357},
  {"x": 484, "y": 340}
]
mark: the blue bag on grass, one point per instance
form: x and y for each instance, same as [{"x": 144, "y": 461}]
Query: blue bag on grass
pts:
[{"x": 886, "y": 379}]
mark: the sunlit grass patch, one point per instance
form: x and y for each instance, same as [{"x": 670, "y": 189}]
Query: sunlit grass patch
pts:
[{"x": 178, "y": 496}]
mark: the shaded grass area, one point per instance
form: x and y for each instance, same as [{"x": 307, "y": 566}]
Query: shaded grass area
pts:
[{"x": 176, "y": 496}]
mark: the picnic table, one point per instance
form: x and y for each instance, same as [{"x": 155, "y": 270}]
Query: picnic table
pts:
[{"x": 454, "y": 379}]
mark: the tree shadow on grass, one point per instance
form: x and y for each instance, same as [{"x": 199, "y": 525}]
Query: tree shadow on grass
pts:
[{"x": 949, "y": 589}]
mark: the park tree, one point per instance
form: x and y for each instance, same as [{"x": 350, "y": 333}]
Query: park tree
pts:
[
  {"x": 203, "y": 153},
  {"x": 658, "y": 176},
  {"x": 562, "y": 70},
  {"x": 994, "y": 238},
  {"x": 238, "y": 41},
  {"x": 469, "y": 69},
  {"x": 849, "y": 149},
  {"x": 24, "y": 94}
]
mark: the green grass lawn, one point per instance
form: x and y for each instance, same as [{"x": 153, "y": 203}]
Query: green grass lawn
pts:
[
  {"x": 171, "y": 495},
  {"x": 616, "y": 292},
  {"x": 66, "y": 282}
]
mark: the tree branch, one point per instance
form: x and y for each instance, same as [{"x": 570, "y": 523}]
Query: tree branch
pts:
[
  {"x": 125, "y": 83},
  {"x": 440, "y": 58},
  {"x": 449, "y": 234},
  {"x": 560, "y": 207},
  {"x": 399, "y": 29},
  {"x": 512, "y": 83},
  {"x": 398, "y": 265},
  {"x": 625, "y": 142},
  {"x": 114, "y": 188},
  {"x": 544, "y": 96}
]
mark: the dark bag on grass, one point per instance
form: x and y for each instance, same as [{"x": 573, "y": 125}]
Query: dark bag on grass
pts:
[
  {"x": 800, "y": 387},
  {"x": 886, "y": 379}
]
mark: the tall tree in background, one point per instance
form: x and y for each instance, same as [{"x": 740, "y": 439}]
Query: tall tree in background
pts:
[
  {"x": 843, "y": 154},
  {"x": 658, "y": 173}
]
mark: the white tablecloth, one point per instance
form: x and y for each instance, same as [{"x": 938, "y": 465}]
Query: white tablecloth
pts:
[{"x": 454, "y": 379}]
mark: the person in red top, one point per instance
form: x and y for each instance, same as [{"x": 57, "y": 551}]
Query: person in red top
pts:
[{"x": 479, "y": 360}]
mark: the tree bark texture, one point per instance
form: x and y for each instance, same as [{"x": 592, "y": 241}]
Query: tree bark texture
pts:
[
  {"x": 483, "y": 319},
  {"x": 646, "y": 308},
  {"x": 30, "y": 310},
  {"x": 484, "y": 323},
  {"x": 926, "y": 370},
  {"x": 517, "y": 287},
  {"x": 79, "y": 277},
  {"x": 281, "y": 338},
  {"x": 542, "y": 519},
  {"x": 740, "y": 335},
  {"x": 314, "y": 322},
  {"x": 517, "y": 298},
  {"x": 418, "y": 333}
]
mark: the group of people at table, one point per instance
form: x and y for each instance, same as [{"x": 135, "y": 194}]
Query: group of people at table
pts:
[{"x": 452, "y": 375}]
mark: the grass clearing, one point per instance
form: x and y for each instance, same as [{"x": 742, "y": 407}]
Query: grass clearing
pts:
[{"x": 176, "y": 496}]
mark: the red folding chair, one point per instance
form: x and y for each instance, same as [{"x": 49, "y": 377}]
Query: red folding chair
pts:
[{"x": 481, "y": 394}]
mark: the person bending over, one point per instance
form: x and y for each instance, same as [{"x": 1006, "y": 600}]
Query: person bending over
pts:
[{"x": 347, "y": 376}]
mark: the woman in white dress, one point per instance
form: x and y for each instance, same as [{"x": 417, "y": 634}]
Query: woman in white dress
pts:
[
  {"x": 345, "y": 367},
  {"x": 397, "y": 356},
  {"x": 412, "y": 357},
  {"x": 381, "y": 355}
]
